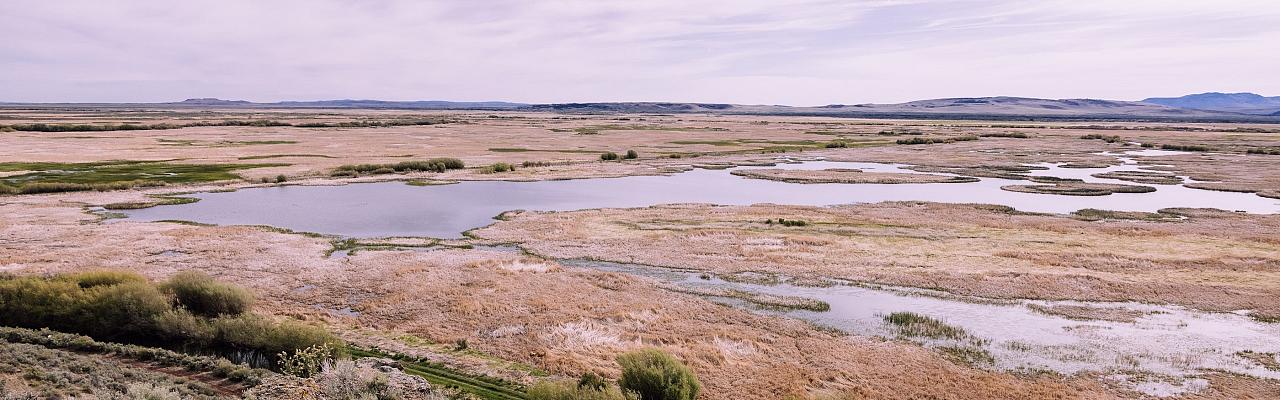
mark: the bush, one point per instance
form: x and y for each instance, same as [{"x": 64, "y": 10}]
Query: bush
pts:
[
  {"x": 268, "y": 339},
  {"x": 497, "y": 167},
  {"x": 631, "y": 155},
  {"x": 609, "y": 156},
  {"x": 200, "y": 294},
  {"x": 281, "y": 178},
  {"x": 121, "y": 306},
  {"x": 655, "y": 375},
  {"x": 431, "y": 165},
  {"x": 569, "y": 391},
  {"x": 180, "y": 326},
  {"x": 838, "y": 144},
  {"x": 1108, "y": 139},
  {"x": 90, "y": 279},
  {"x": 123, "y": 311}
]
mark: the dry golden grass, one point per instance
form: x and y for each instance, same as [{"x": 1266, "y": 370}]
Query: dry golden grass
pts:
[{"x": 1214, "y": 261}]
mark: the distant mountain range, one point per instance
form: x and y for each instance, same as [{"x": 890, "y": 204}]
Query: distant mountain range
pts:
[
  {"x": 1245, "y": 103},
  {"x": 1235, "y": 107},
  {"x": 432, "y": 104}
]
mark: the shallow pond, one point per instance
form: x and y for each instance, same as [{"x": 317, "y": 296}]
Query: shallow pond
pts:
[
  {"x": 444, "y": 211},
  {"x": 1172, "y": 342}
]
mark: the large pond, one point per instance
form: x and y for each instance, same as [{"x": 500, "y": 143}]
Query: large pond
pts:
[{"x": 445, "y": 211}]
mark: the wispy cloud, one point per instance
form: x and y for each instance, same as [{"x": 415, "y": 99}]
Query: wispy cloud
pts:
[{"x": 779, "y": 52}]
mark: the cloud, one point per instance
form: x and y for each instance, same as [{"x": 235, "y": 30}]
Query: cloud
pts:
[{"x": 802, "y": 52}]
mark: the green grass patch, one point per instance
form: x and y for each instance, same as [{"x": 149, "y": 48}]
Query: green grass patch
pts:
[
  {"x": 431, "y": 165},
  {"x": 46, "y": 177},
  {"x": 162, "y": 201},
  {"x": 438, "y": 374}
]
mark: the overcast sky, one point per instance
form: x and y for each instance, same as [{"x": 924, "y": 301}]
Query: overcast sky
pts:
[{"x": 796, "y": 52}]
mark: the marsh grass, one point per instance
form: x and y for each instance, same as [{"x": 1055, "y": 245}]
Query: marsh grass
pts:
[
  {"x": 430, "y": 165},
  {"x": 922, "y": 140},
  {"x": 1186, "y": 147},
  {"x": 163, "y": 201},
  {"x": 910, "y": 324},
  {"x": 968, "y": 355},
  {"x": 47, "y": 177},
  {"x": 1015, "y": 135},
  {"x": 46, "y": 127},
  {"x": 1105, "y": 138}
]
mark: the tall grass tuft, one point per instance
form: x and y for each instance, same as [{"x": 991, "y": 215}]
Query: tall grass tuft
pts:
[{"x": 655, "y": 375}]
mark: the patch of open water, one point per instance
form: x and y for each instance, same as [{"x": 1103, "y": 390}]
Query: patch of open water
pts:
[
  {"x": 1173, "y": 342},
  {"x": 445, "y": 211}
]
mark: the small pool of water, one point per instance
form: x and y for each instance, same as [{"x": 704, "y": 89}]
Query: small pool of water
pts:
[
  {"x": 1174, "y": 342},
  {"x": 445, "y": 211}
]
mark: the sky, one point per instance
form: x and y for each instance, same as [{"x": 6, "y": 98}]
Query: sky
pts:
[{"x": 793, "y": 52}]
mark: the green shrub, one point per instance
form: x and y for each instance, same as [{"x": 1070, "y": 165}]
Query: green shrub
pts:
[
  {"x": 609, "y": 156},
  {"x": 265, "y": 337},
  {"x": 431, "y": 165},
  {"x": 1185, "y": 147},
  {"x": 497, "y": 167},
  {"x": 569, "y": 391},
  {"x": 124, "y": 310},
  {"x": 838, "y": 144},
  {"x": 201, "y": 294},
  {"x": 631, "y": 155},
  {"x": 655, "y": 375},
  {"x": 37, "y": 303},
  {"x": 788, "y": 222},
  {"x": 180, "y": 326},
  {"x": 90, "y": 279}
]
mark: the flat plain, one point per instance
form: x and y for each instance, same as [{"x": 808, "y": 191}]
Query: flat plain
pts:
[{"x": 512, "y": 292}]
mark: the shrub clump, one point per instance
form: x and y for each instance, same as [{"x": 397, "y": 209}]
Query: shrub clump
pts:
[
  {"x": 837, "y": 144},
  {"x": 191, "y": 311},
  {"x": 788, "y": 222},
  {"x": 1185, "y": 147},
  {"x": 431, "y": 165},
  {"x": 923, "y": 140},
  {"x": 569, "y": 391},
  {"x": 1095, "y": 136},
  {"x": 609, "y": 156},
  {"x": 655, "y": 375},
  {"x": 497, "y": 167},
  {"x": 631, "y": 155},
  {"x": 199, "y": 293}
]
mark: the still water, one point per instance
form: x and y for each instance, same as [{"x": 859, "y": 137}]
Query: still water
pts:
[{"x": 445, "y": 211}]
